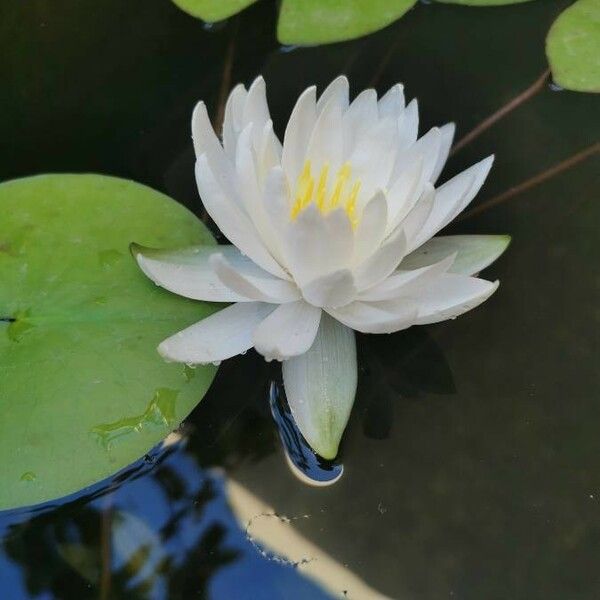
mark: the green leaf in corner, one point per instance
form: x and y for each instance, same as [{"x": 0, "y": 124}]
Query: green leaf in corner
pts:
[
  {"x": 84, "y": 392},
  {"x": 213, "y": 10},
  {"x": 308, "y": 22},
  {"x": 573, "y": 47}
]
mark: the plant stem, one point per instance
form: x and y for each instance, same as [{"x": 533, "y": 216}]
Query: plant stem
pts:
[
  {"x": 225, "y": 79},
  {"x": 530, "y": 92},
  {"x": 533, "y": 181}
]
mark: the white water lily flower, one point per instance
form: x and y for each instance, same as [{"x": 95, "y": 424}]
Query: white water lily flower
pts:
[{"x": 331, "y": 233}]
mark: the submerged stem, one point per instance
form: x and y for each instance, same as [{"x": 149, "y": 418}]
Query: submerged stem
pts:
[
  {"x": 531, "y": 91},
  {"x": 225, "y": 79},
  {"x": 533, "y": 181}
]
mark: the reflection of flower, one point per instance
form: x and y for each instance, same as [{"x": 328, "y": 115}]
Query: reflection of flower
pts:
[{"x": 331, "y": 233}]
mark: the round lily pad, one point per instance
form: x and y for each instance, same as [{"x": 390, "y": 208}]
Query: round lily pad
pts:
[
  {"x": 573, "y": 47},
  {"x": 84, "y": 392},
  {"x": 309, "y": 22},
  {"x": 212, "y": 10}
]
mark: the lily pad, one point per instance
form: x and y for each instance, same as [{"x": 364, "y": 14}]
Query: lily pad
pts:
[
  {"x": 483, "y": 2},
  {"x": 310, "y": 22},
  {"x": 573, "y": 47},
  {"x": 213, "y": 10},
  {"x": 84, "y": 392}
]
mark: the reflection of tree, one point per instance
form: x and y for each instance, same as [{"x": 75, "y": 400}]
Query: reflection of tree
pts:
[
  {"x": 206, "y": 557},
  {"x": 61, "y": 553}
]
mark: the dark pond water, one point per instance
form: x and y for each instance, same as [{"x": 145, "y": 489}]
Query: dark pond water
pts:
[{"x": 472, "y": 459}]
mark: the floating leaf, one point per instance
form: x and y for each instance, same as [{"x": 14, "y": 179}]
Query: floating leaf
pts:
[
  {"x": 213, "y": 10},
  {"x": 84, "y": 392},
  {"x": 573, "y": 47},
  {"x": 317, "y": 22},
  {"x": 483, "y": 2}
]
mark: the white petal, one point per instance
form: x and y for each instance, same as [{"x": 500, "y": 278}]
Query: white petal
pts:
[
  {"x": 451, "y": 295},
  {"x": 246, "y": 170},
  {"x": 379, "y": 317},
  {"x": 187, "y": 271},
  {"x": 326, "y": 141},
  {"x": 232, "y": 220},
  {"x": 453, "y": 197},
  {"x": 321, "y": 386},
  {"x": 232, "y": 122},
  {"x": 373, "y": 157},
  {"x": 245, "y": 166},
  {"x": 371, "y": 227},
  {"x": 297, "y": 134},
  {"x": 403, "y": 282},
  {"x": 338, "y": 90},
  {"x": 276, "y": 200},
  {"x": 334, "y": 289},
  {"x": 269, "y": 153},
  {"x": 447, "y": 133},
  {"x": 220, "y": 336},
  {"x": 473, "y": 252},
  {"x": 408, "y": 125},
  {"x": 359, "y": 119},
  {"x": 254, "y": 283},
  {"x": 318, "y": 244},
  {"x": 392, "y": 102},
  {"x": 418, "y": 216},
  {"x": 256, "y": 109},
  {"x": 426, "y": 148},
  {"x": 383, "y": 262},
  {"x": 207, "y": 144},
  {"x": 288, "y": 331},
  {"x": 404, "y": 194}
]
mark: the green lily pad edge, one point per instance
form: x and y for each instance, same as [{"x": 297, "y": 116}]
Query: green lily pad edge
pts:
[
  {"x": 573, "y": 47},
  {"x": 84, "y": 392}
]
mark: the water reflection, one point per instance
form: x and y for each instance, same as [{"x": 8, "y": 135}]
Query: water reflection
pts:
[
  {"x": 167, "y": 534},
  {"x": 307, "y": 466}
]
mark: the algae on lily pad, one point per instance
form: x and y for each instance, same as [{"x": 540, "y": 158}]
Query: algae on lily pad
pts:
[
  {"x": 84, "y": 392},
  {"x": 573, "y": 47}
]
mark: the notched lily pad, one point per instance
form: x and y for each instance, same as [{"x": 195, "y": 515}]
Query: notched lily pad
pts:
[
  {"x": 84, "y": 392},
  {"x": 573, "y": 47}
]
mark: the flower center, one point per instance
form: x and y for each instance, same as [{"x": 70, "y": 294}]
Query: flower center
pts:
[{"x": 325, "y": 195}]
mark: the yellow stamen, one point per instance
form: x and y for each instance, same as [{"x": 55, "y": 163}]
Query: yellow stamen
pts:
[
  {"x": 307, "y": 192},
  {"x": 351, "y": 204},
  {"x": 322, "y": 187},
  {"x": 342, "y": 177}
]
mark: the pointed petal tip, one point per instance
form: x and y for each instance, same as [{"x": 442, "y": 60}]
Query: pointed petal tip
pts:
[
  {"x": 199, "y": 108},
  {"x": 327, "y": 449},
  {"x": 451, "y": 127},
  {"x": 135, "y": 249},
  {"x": 258, "y": 81}
]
